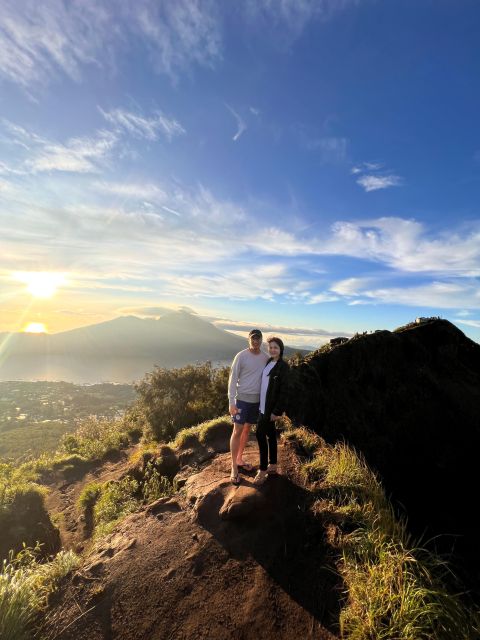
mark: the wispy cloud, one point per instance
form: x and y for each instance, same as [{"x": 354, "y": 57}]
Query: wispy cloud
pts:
[
  {"x": 374, "y": 183},
  {"x": 289, "y": 18},
  {"x": 447, "y": 294},
  {"x": 241, "y": 126},
  {"x": 469, "y": 323},
  {"x": 141, "y": 126},
  {"x": 184, "y": 241},
  {"x": 80, "y": 155},
  {"x": 83, "y": 154},
  {"x": 41, "y": 41},
  {"x": 372, "y": 176}
]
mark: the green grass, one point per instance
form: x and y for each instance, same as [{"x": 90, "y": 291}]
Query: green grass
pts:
[
  {"x": 89, "y": 495},
  {"x": 199, "y": 434},
  {"x": 116, "y": 500},
  {"x": 113, "y": 500},
  {"x": 393, "y": 587},
  {"x": 15, "y": 486},
  {"x": 25, "y": 585},
  {"x": 309, "y": 441}
]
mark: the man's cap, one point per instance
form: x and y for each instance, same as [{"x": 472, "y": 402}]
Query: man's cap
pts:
[{"x": 255, "y": 333}]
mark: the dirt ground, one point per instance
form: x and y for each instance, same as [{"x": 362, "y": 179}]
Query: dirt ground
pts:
[{"x": 214, "y": 562}]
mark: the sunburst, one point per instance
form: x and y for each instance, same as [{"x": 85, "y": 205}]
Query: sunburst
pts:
[{"x": 41, "y": 284}]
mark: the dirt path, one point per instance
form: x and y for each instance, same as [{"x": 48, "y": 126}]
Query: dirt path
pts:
[
  {"x": 61, "y": 501},
  {"x": 215, "y": 562}
]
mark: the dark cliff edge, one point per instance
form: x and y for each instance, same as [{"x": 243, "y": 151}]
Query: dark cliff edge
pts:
[{"x": 409, "y": 400}]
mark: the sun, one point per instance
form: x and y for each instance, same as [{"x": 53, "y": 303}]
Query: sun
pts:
[
  {"x": 35, "y": 327},
  {"x": 41, "y": 284}
]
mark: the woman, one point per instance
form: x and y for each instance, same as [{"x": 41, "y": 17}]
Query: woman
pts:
[{"x": 273, "y": 402}]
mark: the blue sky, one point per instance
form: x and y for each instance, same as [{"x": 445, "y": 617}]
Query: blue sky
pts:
[{"x": 307, "y": 167}]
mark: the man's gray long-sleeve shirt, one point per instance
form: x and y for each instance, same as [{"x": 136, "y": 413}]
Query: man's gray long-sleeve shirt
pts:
[{"x": 246, "y": 376}]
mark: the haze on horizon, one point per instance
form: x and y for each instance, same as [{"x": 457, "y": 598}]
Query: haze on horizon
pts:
[{"x": 309, "y": 167}]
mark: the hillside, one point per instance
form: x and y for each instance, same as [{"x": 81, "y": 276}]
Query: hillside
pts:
[
  {"x": 180, "y": 569},
  {"x": 119, "y": 350},
  {"x": 409, "y": 400}
]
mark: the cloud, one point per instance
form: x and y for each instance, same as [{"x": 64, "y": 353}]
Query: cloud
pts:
[
  {"x": 449, "y": 294},
  {"x": 301, "y": 337},
  {"x": 469, "y": 323},
  {"x": 241, "y": 126},
  {"x": 41, "y": 41},
  {"x": 79, "y": 155},
  {"x": 155, "y": 311},
  {"x": 287, "y": 19},
  {"x": 83, "y": 154},
  {"x": 372, "y": 177},
  {"x": 331, "y": 148},
  {"x": 374, "y": 183},
  {"x": 406, "y": 246},
  {"x": 142, "y": 127}
]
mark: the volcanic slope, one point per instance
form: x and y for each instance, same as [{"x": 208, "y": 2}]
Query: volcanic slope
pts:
[
  {"x": 409, "y": 400},
  {"x": 215, "y": 561}
]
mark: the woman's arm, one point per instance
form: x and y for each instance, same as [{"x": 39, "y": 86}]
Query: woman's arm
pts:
[{"x": 281, "y": 392}]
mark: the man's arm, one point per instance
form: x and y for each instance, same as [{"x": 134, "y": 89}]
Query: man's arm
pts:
[{"x": 232, "y": 383}]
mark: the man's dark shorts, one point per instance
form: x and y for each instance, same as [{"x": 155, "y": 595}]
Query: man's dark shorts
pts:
[{"x": 246, "y": 412}]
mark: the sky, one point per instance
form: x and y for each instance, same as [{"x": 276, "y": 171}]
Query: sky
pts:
[{"x": 308, "y": 167}]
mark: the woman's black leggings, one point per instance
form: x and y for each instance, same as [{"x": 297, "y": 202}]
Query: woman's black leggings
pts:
[{"x": 266, "y": 430}]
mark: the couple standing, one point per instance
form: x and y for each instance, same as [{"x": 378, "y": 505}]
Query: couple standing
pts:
[{"x": 257, "y": 393}]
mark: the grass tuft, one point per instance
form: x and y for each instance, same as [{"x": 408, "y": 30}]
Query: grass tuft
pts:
[
  {"x": 394, "y": 588},
  {"x": 25, "y": 585}
]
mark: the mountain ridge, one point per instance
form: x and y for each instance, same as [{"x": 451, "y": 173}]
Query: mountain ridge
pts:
[{"x": 119, "y": 350}]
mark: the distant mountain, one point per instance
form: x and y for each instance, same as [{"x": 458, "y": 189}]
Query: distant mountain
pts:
[{"x": 119, "y": 350}]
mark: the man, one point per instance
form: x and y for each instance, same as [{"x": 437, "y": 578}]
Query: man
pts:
[{"x": 244, "y": 398}]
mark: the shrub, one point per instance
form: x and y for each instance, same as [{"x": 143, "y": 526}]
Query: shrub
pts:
[
  {"x": 154, "y": 485},
  {"x": 171, "y": 399},
  {"x": 95, "y": 438}
]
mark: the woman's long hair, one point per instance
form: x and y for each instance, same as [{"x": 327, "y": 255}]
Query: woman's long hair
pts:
[{"x": 278, "y": 341}]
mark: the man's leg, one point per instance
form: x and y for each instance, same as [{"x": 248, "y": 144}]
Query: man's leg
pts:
[
  {"x": 243, "y": 442},
  {"x": 235, "y": 445}
]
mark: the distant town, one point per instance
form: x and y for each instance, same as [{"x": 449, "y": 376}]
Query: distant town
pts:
[{"x": 34, "y": 415}]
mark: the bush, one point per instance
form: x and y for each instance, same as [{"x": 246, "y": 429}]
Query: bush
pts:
[
  {"x": 155, "y": 486},
  {"x": 172, "y": 399},
  {"x": 95, "y": 438}
]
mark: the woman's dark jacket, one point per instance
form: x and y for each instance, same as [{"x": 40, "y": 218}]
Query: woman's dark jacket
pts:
[{"x": 276, "y": 400}]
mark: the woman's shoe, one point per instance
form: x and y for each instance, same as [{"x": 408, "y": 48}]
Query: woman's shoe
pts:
[
  {"x": 260, "y": 477},
  {"x": 235, "y": 479},
  {"x": 272, "y": 469},
  {"x": 246, "y": 466}
]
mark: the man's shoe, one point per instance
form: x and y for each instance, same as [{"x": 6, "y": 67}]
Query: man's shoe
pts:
[
  {"x": 260, "y": 477},
  {"x": 272, "y": 469}
]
